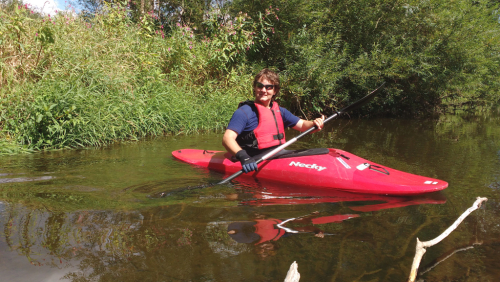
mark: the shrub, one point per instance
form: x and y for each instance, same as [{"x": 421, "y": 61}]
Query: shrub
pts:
[{"x": 69, "y": 81}]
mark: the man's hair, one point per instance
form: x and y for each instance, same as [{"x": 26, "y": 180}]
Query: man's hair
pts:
[{"x": 271, "y": 76}]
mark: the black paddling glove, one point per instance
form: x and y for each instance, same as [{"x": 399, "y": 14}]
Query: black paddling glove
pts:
[{"x": 247, "y": 163}]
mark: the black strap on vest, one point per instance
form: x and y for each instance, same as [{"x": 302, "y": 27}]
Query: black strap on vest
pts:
[{"x": 279, "y": 136}]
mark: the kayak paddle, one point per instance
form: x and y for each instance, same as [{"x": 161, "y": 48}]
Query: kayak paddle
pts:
[{"x": 351, "y": 107}]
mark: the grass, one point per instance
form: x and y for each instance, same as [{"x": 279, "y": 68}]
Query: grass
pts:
[{"x": 68, "y": 82}]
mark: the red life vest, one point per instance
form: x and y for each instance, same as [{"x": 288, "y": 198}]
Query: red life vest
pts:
[
  {"x": 270, "y": 131},
  {"x": 267, "y": 230}
]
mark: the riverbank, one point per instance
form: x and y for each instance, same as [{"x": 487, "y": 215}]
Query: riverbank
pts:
[
  {"x": 69, "y": 81},
  {"x": 72, "y": 80}
]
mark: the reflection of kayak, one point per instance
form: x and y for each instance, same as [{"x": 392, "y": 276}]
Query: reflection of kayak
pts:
[
  {"x": 259, "y": 231},
  {"x": 267, "y": 192},
  {"x": 321, "y": 168},
  {"x": 270, "y": 193}
]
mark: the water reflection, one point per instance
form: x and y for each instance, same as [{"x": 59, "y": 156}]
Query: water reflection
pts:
[
  {"x": 24, "y": 179},
  {"x": 186, "y": 243},
  {"x": 264, "y": 230},
  {"x": 264, "y": 193},
  {"x": 93, "y": 221}
]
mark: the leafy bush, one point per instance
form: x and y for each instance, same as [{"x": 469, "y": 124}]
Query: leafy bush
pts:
[
  {"x": 435, "y": 55},
  {"x": 224, "y": 46},
  {"x": 69, "y": 81}
]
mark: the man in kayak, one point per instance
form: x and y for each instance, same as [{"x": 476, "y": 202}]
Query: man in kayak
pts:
[{"x": 258, "y": 126}]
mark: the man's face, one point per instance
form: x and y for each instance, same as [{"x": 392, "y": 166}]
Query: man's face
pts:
[{"x": 264, "y": 91}]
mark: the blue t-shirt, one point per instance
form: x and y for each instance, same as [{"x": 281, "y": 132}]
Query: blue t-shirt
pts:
[{"x": 245, "y": 119}]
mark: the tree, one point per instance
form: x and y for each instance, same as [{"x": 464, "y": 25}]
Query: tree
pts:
[{"x": 437, "y": 54}]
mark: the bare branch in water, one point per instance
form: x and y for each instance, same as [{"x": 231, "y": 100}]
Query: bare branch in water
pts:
[
  {"x": 421, "y": 246},
  {"x": 293, "y": 274}
]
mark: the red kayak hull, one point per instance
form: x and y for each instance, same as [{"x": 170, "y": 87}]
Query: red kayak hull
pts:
[{"x": 338, "y": 170}]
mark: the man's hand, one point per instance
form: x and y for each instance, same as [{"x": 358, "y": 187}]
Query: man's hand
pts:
[
  {"x": 304, "y": 125},
  {"x": 319, "y": 122},
  {"x": 247, "y": 163}
]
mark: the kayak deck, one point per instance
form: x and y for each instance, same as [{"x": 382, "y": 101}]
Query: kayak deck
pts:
[{"x": 337, "y": 169}]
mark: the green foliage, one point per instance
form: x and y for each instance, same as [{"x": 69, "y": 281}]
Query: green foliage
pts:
[
  {"x": 45, "y": 35},
  {"x": 224, "y": 46},
  {"x": 94, "y": 81},
  {"x": 16, "y": 22},
  {"x": 436, "y": 55},
  {"x": 114, "y": 17},
  {"x": 69, "y": 81},
  {"x": 69, "y": 114}
]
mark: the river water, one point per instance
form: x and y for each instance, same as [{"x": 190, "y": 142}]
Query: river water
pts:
[{"x": 86, "y": 215}]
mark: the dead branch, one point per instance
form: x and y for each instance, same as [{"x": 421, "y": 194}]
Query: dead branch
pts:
[
  {"x": 421, "y": 246},
  {"x": 293, "y": 274},
  {"x": 446, "y": 257}
]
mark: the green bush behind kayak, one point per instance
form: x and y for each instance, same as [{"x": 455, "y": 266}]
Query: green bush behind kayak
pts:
[{"x": 91, "y": 79}]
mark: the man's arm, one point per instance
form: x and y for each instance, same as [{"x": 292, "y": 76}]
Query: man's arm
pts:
[
  {"x": 304, "y": 125},
  {"x": 229, "y": 142}
]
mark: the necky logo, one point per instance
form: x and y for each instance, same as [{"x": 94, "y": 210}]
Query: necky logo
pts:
[{"x": 314, "y": 166}]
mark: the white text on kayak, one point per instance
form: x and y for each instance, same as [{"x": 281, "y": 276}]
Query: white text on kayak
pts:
[{"x": 314, "y": 166}]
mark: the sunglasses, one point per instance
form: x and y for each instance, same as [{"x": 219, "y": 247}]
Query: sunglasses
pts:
[{"x": 267, "y": 86}]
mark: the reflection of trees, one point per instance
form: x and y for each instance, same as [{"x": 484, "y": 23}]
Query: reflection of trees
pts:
[
  {"x": 177, "y": 243},
  {"x": 35, "y": 234},
  {"x": 187, "y": 242}
]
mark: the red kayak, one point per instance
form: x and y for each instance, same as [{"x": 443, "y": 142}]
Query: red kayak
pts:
[{"x": 321, "y": 168}]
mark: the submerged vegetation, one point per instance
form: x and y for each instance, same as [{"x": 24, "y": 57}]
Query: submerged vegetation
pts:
[{"x": 117, "y": 72}]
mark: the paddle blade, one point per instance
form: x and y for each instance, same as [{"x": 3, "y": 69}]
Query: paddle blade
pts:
[
  {"x": 179, "y": 190},
  {"x": 361, "y": 101}
]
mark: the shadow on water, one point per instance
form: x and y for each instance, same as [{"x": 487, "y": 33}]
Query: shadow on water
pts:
[{"x": 84, "y": 215}]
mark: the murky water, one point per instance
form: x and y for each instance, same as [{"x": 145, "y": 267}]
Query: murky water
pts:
[{"x": 85, "y": 215}]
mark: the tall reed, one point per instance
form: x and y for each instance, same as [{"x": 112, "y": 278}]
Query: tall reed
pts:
[{"x": 68, "y": 81}]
